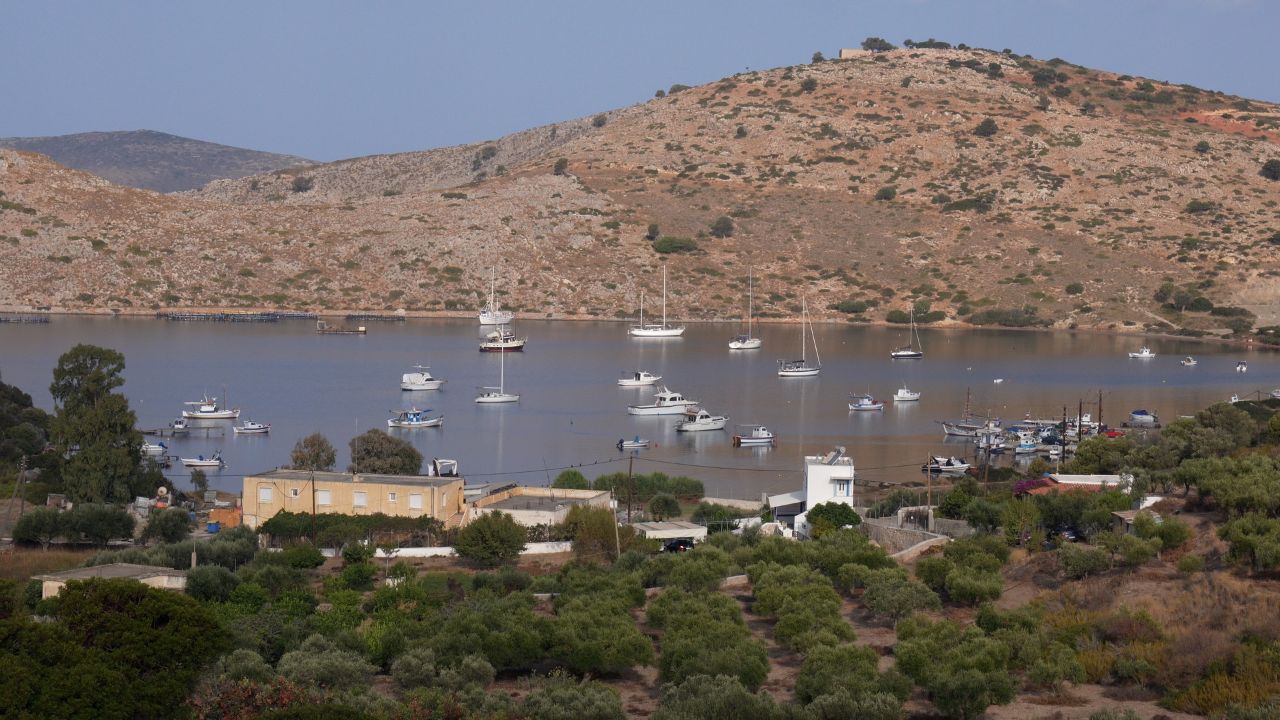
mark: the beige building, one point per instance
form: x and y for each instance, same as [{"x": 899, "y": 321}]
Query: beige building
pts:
[
  {"x": 157, "y": 577},
  {"x": 530, "y": 506},
  {"x": 303, "y": 491}
]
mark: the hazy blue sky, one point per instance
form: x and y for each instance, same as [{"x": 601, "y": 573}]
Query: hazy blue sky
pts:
[{"x": 337, "y": 79}]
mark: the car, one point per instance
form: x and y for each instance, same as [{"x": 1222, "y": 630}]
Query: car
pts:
[
  {"x": 678, "y": 545},
  {"x": 1114, "y": 433}
]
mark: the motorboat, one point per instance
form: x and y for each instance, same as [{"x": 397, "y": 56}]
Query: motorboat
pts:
[
  {"x": 997, "y": 381},
  {"x": 666, "y": 402},
  {"x": 200, "y": 461},
  {"x": 905, "y": 394},
  {"x": 1242, "y": 366},
  {"x": 249, "y": 427},
  {"x": 179, "y": 426},
  {"x": 753, "y": 435},
  {"x": 951, "y": 465},
  {"x": 208, "y": 408},
  {"x": 747, "y": 341},
  {"x": 491, "y": 315},
  {"x": 1143, "y": 353},
  {"x": 656, "y": 331},
  {"x": 503, "y": 340},
  {"x": 699, "y": 419},
  {"x": 638, "y": 378},
  {"x": 414, "y": 418},
  {"x": 153, "y": 450},
  {"x": 636, "y": 443},
  {"x": 910, "y": 351},
  {"x": 495, "y": 395},
  {"x": 971, "y": 427},
  {"x": 1235, "y": 399},
  {"x": 1142, "y": 418},
  {"x": 1028, "y": 444},
  {"x": 1275, "y": 394},
  {"x": 865, "y": 402},
  {"x": 420, "y": 379},
  {"x": 1189, "y": 361},
  {"x": 993, "y": 443},
  {"x": 802, "y": 367}
]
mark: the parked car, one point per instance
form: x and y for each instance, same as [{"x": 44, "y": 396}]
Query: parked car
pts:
[{"x": 678, "y": 545}]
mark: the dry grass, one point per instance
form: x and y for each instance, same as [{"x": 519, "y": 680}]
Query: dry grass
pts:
[{"x": 21, "y": 563}]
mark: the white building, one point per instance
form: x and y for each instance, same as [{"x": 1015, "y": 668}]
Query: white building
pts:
[{"x": 827, "y": 478}]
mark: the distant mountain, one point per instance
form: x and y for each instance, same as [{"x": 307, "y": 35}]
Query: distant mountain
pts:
[{"x": 153, "y": 160}]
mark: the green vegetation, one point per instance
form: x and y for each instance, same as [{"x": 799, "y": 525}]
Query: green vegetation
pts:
[
  {"x": 490, "y": 540},
  {"x": 986, "y": 128},
  {"x": 668, "y": 244}
]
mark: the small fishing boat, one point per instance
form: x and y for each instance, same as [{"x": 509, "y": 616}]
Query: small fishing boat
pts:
[
  {"x": 1028, "y": 443},
  {"x": 636, "y": 443},
  {"x": 993, "y": 443},
  {"x": 249, "y": 427},
  {"x": 639, "y": 378},
  {"x": 420, "y": 379},
  {"x": 200, "y": 461},
  {"x": 1189, "y": 361},
  {"x": 152, "y": 450},
  {"x": 503, "y": 340},
  {"x": 656, "y": 331},
  {"x": 666, "y": 402},
  {"x": 749, "y": 435},
  {"x": 324, "y": 328},
  {"x": 951, "y": 465},
  {"x": 491, "y": 315},
  {"x": 910, "y": 351},
  {"x": 801, "y": 367},
  {"x": 905, "y": 394},
  {"x": 495, "y": 395},
  {"x": 414, "y": 418},
  {"x": 209, "y": 409},
  {"x": 1242, "y": 366},
  {"x": 1275, "y": 394},
  {"x": 864, "y": 403},
  {"x": 699, "y": 420},
  {"x": 179, "y": 426},
  {"x": 969, "y": 428},
  {"x": 747, "y": 341},
  {"x": 1143, "y": 353}
]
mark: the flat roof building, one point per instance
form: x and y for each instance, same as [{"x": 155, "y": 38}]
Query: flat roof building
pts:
[
  {"x": 150, "y": 575},
  {"x": 274, "y": 491},
  {"x": 671, "y": 530},
  {"x": 530, "y": 506}
]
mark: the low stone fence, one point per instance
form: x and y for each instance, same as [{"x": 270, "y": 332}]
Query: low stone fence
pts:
[
  {"x": 543, "y": 548},
  {"x": 886, "y": 533}
]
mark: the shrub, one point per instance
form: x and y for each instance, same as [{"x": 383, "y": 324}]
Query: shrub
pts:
[
  {"x": 1270, "y": 170},
  {"x": 170, "y": 525},
  {"x": 888, "y": 192},
  {"x": 302, "y": 556},
  {"x": 834, "y": 514},
  {"x": 41, "y": 525},
  {"x": 1202, "y": 147},
  {"x": 705, "y": 635},
  {"x": 829, "y": 669},
  {"x": 588, "y": 636},
  {"x": 560, "y": 697},
  {"x": 99, "y": 524},
  {"x": 722, "y": 227},
  {"x": 1075, "y": 288},
  {"x": 970, "y": 586},
  {"x": 244, "y": 664},
  {"x": 359, "y": 576},
  {"x": 1189, "y": 564},
  {"x": 986, "y": 128},
  {"x": 667, "y": 245},
  {"x": 664, "y": 505},
  {"x": 1197, "y": 207},
  {"x": 490, "y": 540},
  {"x": 561, "y": 166},
  {"x": 303, "y": 183},
  {"x": 720, "y": 696},
  {"x": 896, "y": 597},
  {"x": 599, "y": 120},
  {"x": 1078, "y": 562},
  {"x": 875, "y": 44},
  {"x": 211, "y": 583},
  {"x": 319, "y": 663}
]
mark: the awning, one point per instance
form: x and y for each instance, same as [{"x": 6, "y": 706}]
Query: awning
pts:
[{"x": 792, "y": 498}]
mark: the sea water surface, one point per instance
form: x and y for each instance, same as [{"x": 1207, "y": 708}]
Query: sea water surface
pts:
[{"x": 572, "y": 413}]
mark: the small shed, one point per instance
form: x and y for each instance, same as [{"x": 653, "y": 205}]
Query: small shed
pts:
[
  {"x": 150, "y": 575},
  {"x": 1122, "y": 521},
  {"x": 671, "y": 530}
]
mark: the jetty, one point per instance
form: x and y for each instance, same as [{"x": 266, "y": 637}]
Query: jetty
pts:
[
  {"x": 24, "y": 319},
  {"x": 244, "y": 317},
  {"x": 325, "y": 328},
  {"x": 375, "y": 317}
]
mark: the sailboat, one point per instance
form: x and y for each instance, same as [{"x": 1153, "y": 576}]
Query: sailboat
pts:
[
  {"x": 491, "y": 315},
  {"x": 656, "y": 331},
  {"x": 746, "y": 342},
  {"x": 910, "y": 351},
  {"x": 498, "y": 394},
  {"x": 801, "y": 367}
]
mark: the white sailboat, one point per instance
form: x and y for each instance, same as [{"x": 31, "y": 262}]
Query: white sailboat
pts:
[
  {"x": 747, "y": 342},
  {"x": 910, "y": 351},
  {"x": 801, "y": 367},
  {"x": 656, "y": 331},
  {"x": 498, "y": 394},
  {"x": 491, "y": 315}
]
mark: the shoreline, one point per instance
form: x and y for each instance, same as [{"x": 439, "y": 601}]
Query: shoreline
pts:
[{"x": 341, "y": 314}]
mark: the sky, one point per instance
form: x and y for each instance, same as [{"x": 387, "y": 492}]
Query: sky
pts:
[{"x": 330, "y": 79}]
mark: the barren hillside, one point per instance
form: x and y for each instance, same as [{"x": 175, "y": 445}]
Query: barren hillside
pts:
[{"x": 864, "y": 182}]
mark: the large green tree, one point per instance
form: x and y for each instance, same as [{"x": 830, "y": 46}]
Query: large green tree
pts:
[
  {"x": 491, "y": 539},
  {"x": 95, "y": 429},
  {"x": 378, "y": 452},
  {"x": 313, "y": 452}
]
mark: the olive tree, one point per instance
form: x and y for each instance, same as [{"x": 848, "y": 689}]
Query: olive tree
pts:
[{"x": 490, "y": 540}]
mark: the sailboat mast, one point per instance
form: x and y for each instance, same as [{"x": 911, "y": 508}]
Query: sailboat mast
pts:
[
  {"x": 804, "y": 320},
  {"x": 813, "y": 337},
  {"x": 493, "y": 279},
  {"x": 664, "y": 295},
  {"x": 750, "y": 288},
  {"x": 502, "y": 369}
]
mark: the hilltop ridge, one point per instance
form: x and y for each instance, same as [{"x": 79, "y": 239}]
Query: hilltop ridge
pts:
[{"x": 868, "y": 185}]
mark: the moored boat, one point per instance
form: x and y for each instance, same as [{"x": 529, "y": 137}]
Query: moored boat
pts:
[
  {"x": 666, "y": 402},
  {"x": 420, "y": 379},
  {"x": 636, "y": 443},
  {"x": 656, "y": 331},
  {"x": 747, "y": 341},
  {"x": 905, "y": 394},
  {"x": 802, "y": 367},
  {"x": 249, "y": 427},
  {"x": 864, "y": 403},
  {"x": 492, "y": 314},
  {"x": 153, "y": 450},
  {"x": 638, "y": 378},
  {"x": 414, "y": 418},
  {"x": 699, "y": 419},
  {"x": 1189, "y": 361},
  {"x": 910, "y": 351},
  {"x": 503, "y": 340},
  {"x": 749, "y": 435},
  {"x": 1143, "y": 353},
  {"x": 951, "y": 465},
  {"x": 202, "y": 461},
  {"x": 209, "y": 409}
]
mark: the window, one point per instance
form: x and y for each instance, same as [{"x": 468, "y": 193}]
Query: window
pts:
[
  {"x": 391, "y": 497},
  {"x": 324, "y": 497},
  {"x": 842, "y": 488},
  {"x": 360, "y": 499},
  {"x": 295, "y": 492},
  {"x": 264, "y": 494},
  {"x": 415, "y": 502},
  {"x": 444, "y": 500}
]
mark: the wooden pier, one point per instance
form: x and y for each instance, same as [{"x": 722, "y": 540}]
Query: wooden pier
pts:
[{"x": 182, "y": 432}]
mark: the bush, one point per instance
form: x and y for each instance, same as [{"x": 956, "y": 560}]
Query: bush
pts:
[
  {"x": 99, "y": 524},
  {"x": 302, "y": 556},
  {"x": 705, "y": 635},
  {"x": 599, "y": 120},
  {"x": 722, "y": 227},
  {"x": 705, "y": 696},
  {"x": 896, "y": 597},
  {"x": 561, "y": 166},
  {"x": 170, "y": 525},
  {"x": 808, "y": 85},
  {"x": 664, "y": 506},
  {"x": 847, "y": 669},
  {"x": 1270, "y": 170},
  {"x": 1189, "y": 564},
  {"x": 564, "y": 698},
  {"x": 1079, "y": 562},
  {"x": 667, "y": 245},
  {"x": 969, "y": 586},
  {"x": 211, "y": 583},
  {"x": 1198, "y": 207},
  {"x": 1075, "y": 288},
  {"x": 321, "y": 664},
  {"x": 359, "y": 576},
  {"x": 832, "y": 516},
  {"x": 41, "y": 525},
  {"x": 303, "y": 183},
  {"x": 888, "y": 192},
  {"x": 986, "y": 128},
  {"x": 492, "y": 539}
]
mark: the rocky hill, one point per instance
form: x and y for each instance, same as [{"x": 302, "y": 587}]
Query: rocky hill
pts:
[
  {"x": 153, "y": 160},
  {"x": 979, "y": 186}
]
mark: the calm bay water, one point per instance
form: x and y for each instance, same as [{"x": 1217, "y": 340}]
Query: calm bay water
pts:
[{"x": 572, "y": 413}]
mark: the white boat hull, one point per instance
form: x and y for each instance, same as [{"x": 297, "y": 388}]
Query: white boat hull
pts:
[
  {"x": 656, "y": 332},
  {"x": 798, "y": 372},
  {"x": 494, "y": 398},
  {"x": 856, "y": 407},
  {"x": 633, "y": 445},
  {"x": 432, "y": 422},
  {"x": 639, "y": 379},
  {"x": 415, "y": 381},
  {"x": 149, "y": 450},
  {"x": 215, "y": 415},
  {"x": 748, "y": 344},
  {"x": 748, "y": 441},
  {"x": 499, "y": 317},
  {"x": 659, "y": 409},
  {"x": 907, "y": 355},
  {"x": 906, "y": 397},
  {"x": 252, "y": 430},
  {"x": 194, "y": 462},
  {"x": 700, "y": 425}
]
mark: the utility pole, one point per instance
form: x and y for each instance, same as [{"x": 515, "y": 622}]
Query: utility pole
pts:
[
  {"x": 928, "y": 483},
  {"x": 631, "y": 461},
  {"x": 313, "y": 508}
]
